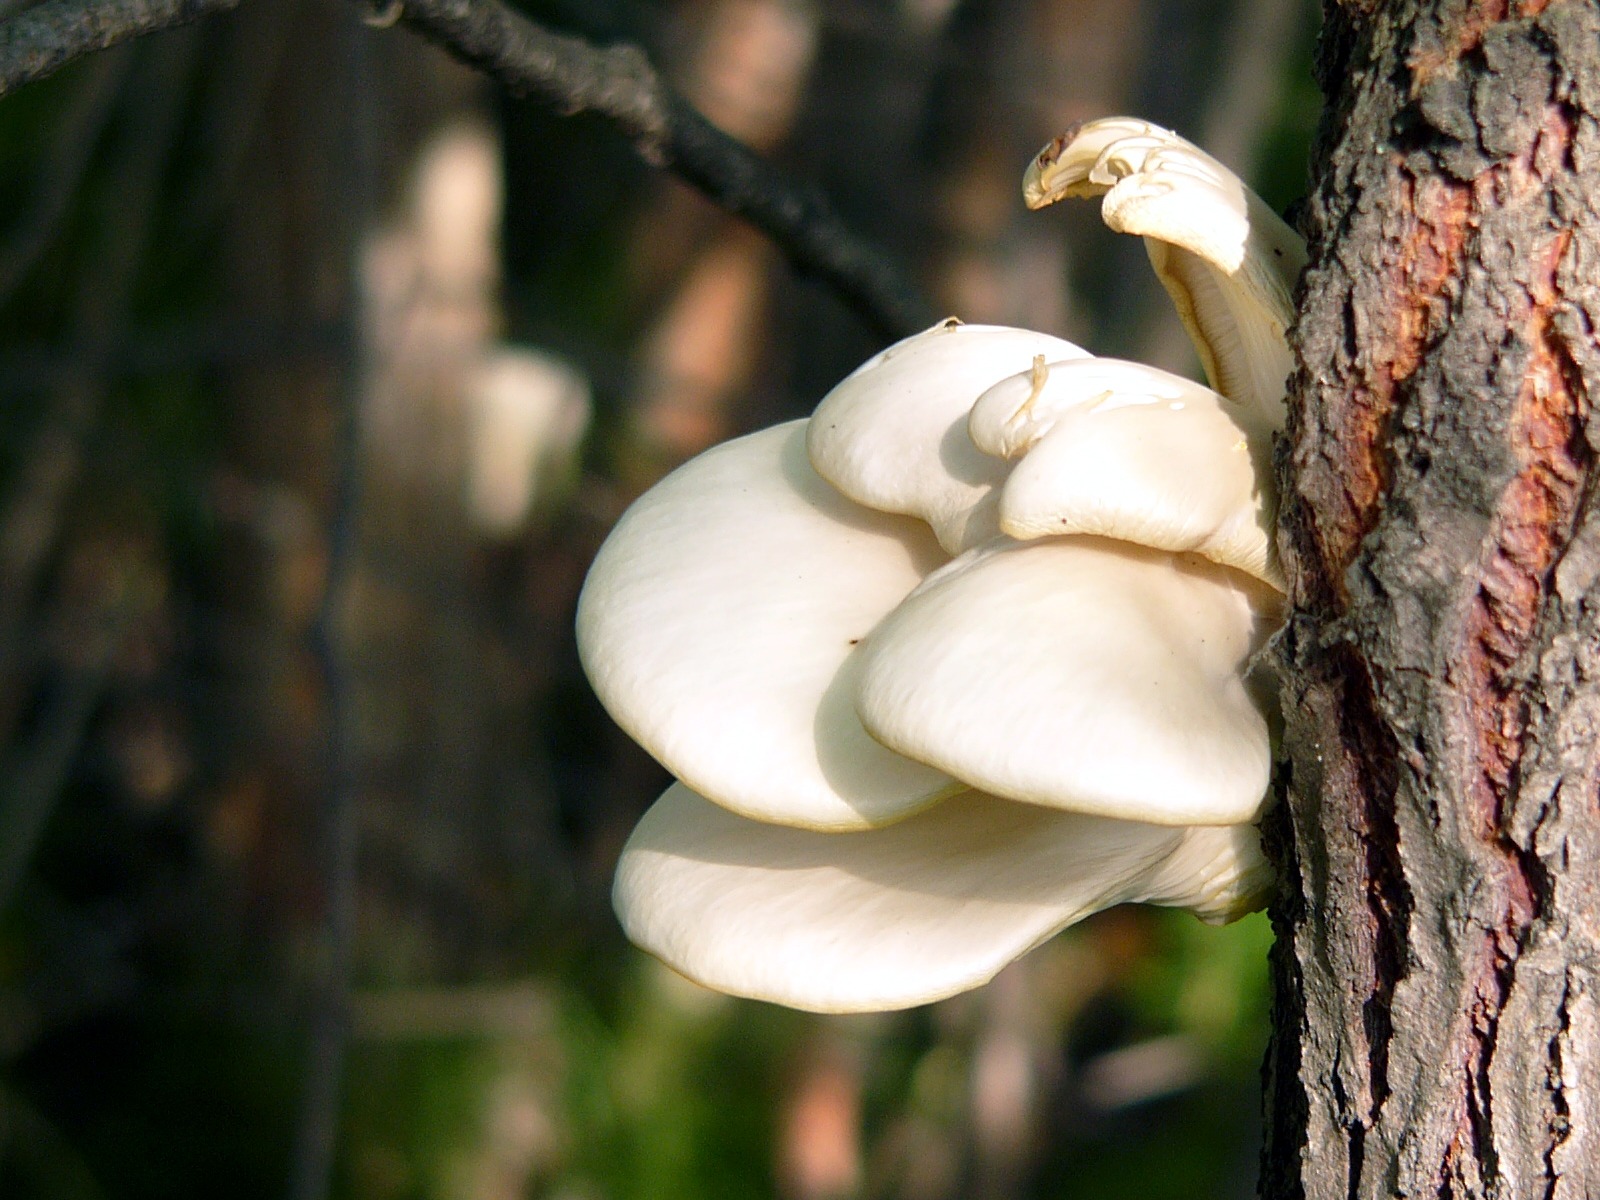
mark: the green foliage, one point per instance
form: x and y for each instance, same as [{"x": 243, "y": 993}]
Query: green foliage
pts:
[{"x": 676, "y": 1099}]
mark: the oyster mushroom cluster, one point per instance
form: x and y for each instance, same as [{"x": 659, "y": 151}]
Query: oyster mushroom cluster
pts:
[{"x": 966, "y": 656}]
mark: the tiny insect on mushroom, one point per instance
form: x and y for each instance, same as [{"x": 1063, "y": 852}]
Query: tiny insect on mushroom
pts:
[{"x": 967, "y": 655}]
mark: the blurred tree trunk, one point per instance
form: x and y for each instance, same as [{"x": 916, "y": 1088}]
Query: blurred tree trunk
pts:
[{"x": 1438, "y": 1019}]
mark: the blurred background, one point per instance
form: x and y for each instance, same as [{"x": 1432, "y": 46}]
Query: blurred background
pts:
[{"x": 324, "y": 369}]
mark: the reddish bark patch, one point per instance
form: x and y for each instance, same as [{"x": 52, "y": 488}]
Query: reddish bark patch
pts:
[
  {"x": 1460, "y": 39},
  {"x": 1533, "y": 519},
  {"x": 1388, "y": 898},
  {"x": 1415, "y": 299},
  {"x": 1532, "y": 523},
  {"x": 1465, "y": 36}
]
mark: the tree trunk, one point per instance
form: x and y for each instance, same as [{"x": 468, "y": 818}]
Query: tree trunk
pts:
[{"x": 1437, "y": 1015}]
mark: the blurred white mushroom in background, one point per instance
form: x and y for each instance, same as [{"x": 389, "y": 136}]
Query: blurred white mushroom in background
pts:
[
  {"x": 527, "y": 412},
  {"x": 967, "y": 655},
  {"x": 450, "y": 406}
]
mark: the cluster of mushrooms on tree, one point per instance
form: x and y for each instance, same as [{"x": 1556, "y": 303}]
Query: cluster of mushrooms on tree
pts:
[{"x": 969, "y": 654}]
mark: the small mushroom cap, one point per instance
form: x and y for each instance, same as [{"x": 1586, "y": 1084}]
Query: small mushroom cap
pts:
[
  {"x": 869, "y": 921},
  {"x": 1010, "y": 417},
  {"x": 893, "y": 434},
  {"x": 1122, "y": 450},
  {"x": 1228, "y": 261},
  {"x": 1087, "y": 675},
  {"x": 717, "y": 625}
]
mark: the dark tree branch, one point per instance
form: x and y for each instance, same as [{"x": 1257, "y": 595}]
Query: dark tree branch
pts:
[
  {"x": 44, "y": 39},
  {"x": 575, "y": 76},
  {"x": 568, "y": 72},
  {"x": 619, "y": 83}
]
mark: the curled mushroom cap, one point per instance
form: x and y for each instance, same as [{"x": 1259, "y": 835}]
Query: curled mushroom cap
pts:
[{"x": 1227, "y": 260}]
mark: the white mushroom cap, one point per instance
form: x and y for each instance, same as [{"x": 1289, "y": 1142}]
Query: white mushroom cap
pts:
[
  {"x": 883, "y": 919},
  {"x": 717, "y": 625},
  {"x": 893, "y": 434},
  {"x": 1228, "y": 261},
  {"x": 1083, "y": 674},
  {"x": 1122, "y": 450},
  {"x": 1010, "y": 417}
]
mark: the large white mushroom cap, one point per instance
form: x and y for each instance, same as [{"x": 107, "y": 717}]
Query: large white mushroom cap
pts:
[
  {"x": 967, "y": 655},
  {"x": 904, "y": 915},
  {"x": 718, "y": 623},
  {"x": 1087, "y": 675}
]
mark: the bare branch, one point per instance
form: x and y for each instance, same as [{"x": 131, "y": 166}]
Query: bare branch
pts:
[
  {"x": 619, "y": 83},
  {"x": 36, "y": 43},
  {"x": 568, "y": 72},
  {"x": 573, "y": 75}
]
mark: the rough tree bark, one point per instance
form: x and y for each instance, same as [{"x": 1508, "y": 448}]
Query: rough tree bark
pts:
[{"x": 1438, "y": 1019}]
